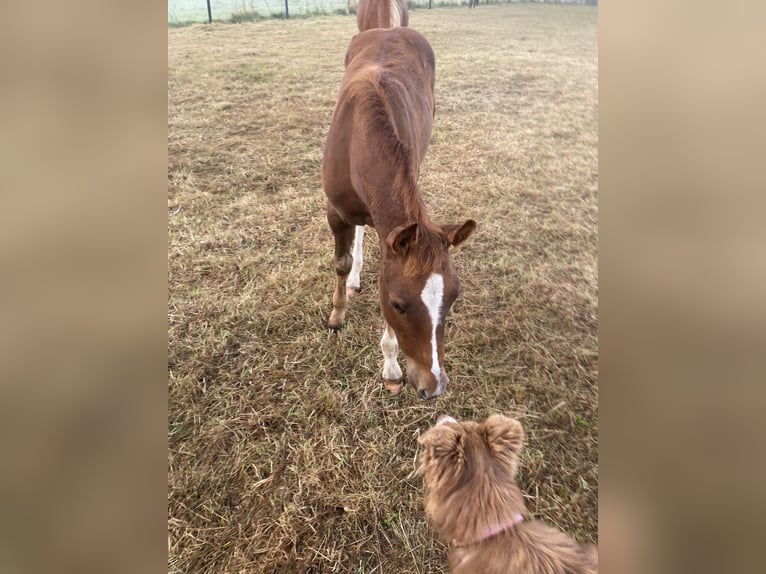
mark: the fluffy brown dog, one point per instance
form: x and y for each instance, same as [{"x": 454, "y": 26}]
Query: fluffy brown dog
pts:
[{"x": 472, "y": 501}]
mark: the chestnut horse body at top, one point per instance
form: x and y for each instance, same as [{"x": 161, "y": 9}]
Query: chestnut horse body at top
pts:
[
  {"x": 380, "y": 130},
  {"x": 381, "y": 14}
]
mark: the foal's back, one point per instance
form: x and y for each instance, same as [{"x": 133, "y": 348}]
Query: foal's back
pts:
[
  {"x": 386, "y": 97},
  {"x": 398, "y": 64}
]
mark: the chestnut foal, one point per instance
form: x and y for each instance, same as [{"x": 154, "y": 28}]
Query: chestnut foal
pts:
[{"x": 379, "y": 134}]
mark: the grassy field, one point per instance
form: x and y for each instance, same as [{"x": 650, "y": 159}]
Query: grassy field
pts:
[{"x": 285, "y": 452}]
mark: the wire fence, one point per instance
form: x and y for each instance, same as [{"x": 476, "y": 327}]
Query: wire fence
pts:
[{"x": 185, "y": 11}]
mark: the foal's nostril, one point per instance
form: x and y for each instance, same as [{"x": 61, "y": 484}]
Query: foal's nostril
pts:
[{"x": 422, "y": 394}]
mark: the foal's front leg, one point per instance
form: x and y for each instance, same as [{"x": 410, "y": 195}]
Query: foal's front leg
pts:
[
  {"x": 392, "y": 373},
  {"x": 344, "y": 235}
]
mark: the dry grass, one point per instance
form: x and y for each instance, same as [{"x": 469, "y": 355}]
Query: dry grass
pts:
[{"x": 285, "y": 452}]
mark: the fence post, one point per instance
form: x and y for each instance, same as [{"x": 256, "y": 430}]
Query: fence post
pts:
[
  {"x": 287, "y": 12},
  {"x": 210, "y": 14}
]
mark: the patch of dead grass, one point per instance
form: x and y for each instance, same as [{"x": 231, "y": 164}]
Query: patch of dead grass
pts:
[{"x": 285, "y": 452}]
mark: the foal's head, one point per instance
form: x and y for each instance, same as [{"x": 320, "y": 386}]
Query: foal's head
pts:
[{"x": 418, "y": 285}]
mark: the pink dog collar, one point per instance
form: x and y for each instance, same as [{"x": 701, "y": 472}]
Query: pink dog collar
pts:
[{"x": 495, "y": 530}]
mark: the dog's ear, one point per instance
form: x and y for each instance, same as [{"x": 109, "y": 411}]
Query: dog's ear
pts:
[
  {"x": 444, "y": 441},
  {"x": 504, "y": 436}
]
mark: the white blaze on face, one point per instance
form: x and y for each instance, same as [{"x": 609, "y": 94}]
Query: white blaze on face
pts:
[{"x": 432, "y": 296}]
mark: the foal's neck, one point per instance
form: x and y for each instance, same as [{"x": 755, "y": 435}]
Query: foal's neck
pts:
[{"x": 394, "y": 207}]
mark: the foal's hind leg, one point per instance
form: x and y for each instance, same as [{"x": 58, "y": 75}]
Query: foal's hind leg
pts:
[
  {"x": 344, "y": 235},
  {"x": 354, "y": 282}
]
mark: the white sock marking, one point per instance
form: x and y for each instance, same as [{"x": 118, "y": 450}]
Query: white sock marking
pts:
[
  {"x": 354, "y": 278},
  {"x": 432, "y": 296},
  {"x": 389, "y": 346}
]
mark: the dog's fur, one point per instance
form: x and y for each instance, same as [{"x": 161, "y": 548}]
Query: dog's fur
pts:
[{"x": 472, "y": 501}]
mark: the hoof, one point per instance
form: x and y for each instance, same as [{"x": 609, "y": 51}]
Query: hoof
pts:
[
  {"x": 336, "y": 320},
  {"x": 334, "y": 328},
  {"x": 352, "y": 292},
  {"x": 393, "y": 387}
]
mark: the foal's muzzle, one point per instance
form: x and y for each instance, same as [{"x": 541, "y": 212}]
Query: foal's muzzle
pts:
[{"x": 423, "y": 380}]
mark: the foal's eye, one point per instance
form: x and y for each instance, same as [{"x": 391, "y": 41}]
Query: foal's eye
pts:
[{"x": 398, "y": 307}]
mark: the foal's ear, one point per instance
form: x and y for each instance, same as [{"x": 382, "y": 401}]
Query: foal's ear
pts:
[
  {"x": 504, "y": 436},
  {"x": 456, "y": 234},
  {"x": 400, "y": 238}
]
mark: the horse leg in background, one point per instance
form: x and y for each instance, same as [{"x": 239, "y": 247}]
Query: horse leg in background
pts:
[
  {"x": 392, "y": 373},
  {"x": 344, "y": 235},
  {"x": 354, "y": 282}
]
